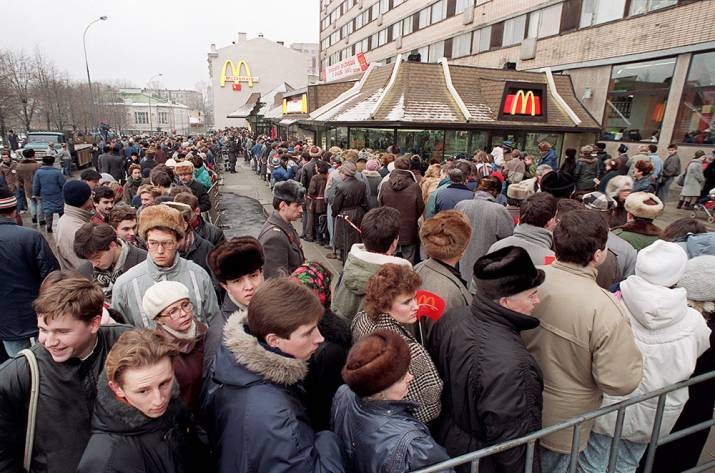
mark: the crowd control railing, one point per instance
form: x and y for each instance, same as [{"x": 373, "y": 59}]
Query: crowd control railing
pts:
[{"x": 474, "y": 458}]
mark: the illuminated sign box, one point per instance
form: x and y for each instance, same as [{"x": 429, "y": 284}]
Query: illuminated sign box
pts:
[
  {"x": 296, "y": 104},
  {"x": 231, "y": 73},
  {"x": 523, "y": 102}
]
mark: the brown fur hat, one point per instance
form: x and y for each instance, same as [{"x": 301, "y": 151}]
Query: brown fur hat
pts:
[
  {"x": 156, "y": 216},
  {"x": 376, "y": 362},
  {"x": 446, "y": 235},
  {"x": 644, "y": 205},
  {"x": 236, "y": 257}
]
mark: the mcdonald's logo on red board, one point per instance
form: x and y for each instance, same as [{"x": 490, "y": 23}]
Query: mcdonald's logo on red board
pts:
[{"x": 523, "y": 101}]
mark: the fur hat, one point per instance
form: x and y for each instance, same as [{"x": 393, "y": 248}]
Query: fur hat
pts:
[
  {"x": 185, "y": 209},
  {"x": 376, "y": 362},
  {"x": 506, "y": 272},
  {"x": 699, "y": 278},
  {"x": 661, "y": 263},
  {"x": 289, "y": 191},
  {"x": 350, "y": 155},
  {"x": 170, "y": 163},
  {"x": 236, "y": 257},
  {"x": 335, "y": 150},
  {"x": 315, "y": 152},
  {"x": 161, "y": 295},
  {"x": 446, "y": 235},
  {"x": 559, "y": 184},
  {"x": 76, "y": 193},
  {"x": 644, "y": 205},
  {"x": 348, "y": 168},
  {"x": 518, "y": 191},
  {"x": 183, "y": 166},
  {"x": 156, "y": 216}
]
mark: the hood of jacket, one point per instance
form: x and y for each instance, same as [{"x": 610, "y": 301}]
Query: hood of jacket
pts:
[
  {"x": 532, "y": 233},
  {"x": 114, "y": 416},
  {"x": 77, "y": 213},
  {"x": 399, "y": 179},
  {"x": 249, "y": 362},
  {"x": 654, "y": 307},
  {"x": 362, "y": 264}
]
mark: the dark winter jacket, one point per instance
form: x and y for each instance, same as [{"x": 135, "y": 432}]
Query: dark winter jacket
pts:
[
  {"x": 492, "y": 385},
  {"x": 67, "y": 393},
  {"x": 451, "y": 195},
  {"x": 401, "y": 192},
  {"x": 112, "y": 164},
  {"x": 199, "y": 252},
  {"x": 210, "y": 232},
  {"x": 201, "y": 193},
  {"x": 382, "y": 436},
  {"x": 147, "y": 165},
  {"x": 281, "y": 247},
  {"x": 214, "y": 335},
  {"x": 585, "y": 173},
  {"x": 316, "y": 193},
  {"x": 253, "y": 411},
  {"x": 126, "y": 441},
  {"x": 350, "y": 202},
  {"x": 188, "y": 364},
  {"x": 47, "y": 184},
  {"x": 27, "y": 259}
]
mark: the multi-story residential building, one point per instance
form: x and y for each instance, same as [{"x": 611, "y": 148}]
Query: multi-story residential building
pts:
[{"x": 645, "y": 69}]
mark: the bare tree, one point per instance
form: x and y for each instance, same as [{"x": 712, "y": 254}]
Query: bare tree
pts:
[{"x": 19, "y": 71}]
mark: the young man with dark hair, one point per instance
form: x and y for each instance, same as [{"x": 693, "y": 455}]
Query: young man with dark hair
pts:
[
  {"x": 70, "y": 354},
  {"x": 584, "y": 344},
  {"x": 91, "y": 177},
  {"x": 103, "y": 199},
  {"x": 533, "y": 233},
  {"x": 107, "y": 256},
  {"x": 123, "y": 220},
  {"x": 185, "y": 172},
  {"x": 251, "y": 405},
  {"x": 208, "y": 231},
  {"x": 380, "y": 229},
  {"x": 671, "y": 170}
]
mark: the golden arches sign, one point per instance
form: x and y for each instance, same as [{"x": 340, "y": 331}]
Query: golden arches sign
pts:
[
  {"x": 524, "y": 102},
  {"x": 235, "y": 73}
]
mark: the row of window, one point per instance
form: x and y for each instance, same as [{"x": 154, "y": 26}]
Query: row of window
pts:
[{"x": 142, "y": 118}]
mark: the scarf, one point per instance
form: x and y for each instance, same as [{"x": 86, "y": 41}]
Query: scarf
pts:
[
  {"x": 186, "y": 245},
  {"x": 106, "y": 278},
  {"x": 317, "y": 278},
  {"x": 190, "y": 334}
]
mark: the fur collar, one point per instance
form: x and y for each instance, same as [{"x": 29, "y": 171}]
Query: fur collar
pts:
[
  {"x": 251, "y": 355},
  {"x": 358, "y": 251},
  {"x": 643, "y": 227}
]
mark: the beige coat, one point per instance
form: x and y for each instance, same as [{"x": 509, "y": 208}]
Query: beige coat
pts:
[
  {"x": 438, "y": 279},
  {"x": 67, "y": 226},
  {"x": 584, "y": 346}
]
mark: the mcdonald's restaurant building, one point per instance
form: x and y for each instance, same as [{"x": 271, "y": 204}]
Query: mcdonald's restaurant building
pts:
[
  {"x": 242, "y": 73},
  {"x": 439, "y": 109}
]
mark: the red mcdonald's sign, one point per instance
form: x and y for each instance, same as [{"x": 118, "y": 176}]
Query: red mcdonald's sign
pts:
[{"x": 523, "y": 102}]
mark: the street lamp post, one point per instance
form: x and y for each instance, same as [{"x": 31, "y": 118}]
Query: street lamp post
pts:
[
  {"x": 151, "y": 124},
  {"x": 86, "y": 64}
]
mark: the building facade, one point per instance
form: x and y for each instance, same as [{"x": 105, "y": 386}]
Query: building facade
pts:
[
  {"x": 251, "y": 66},
  {"x": 148, "y": 114},
  {"x": 645, "y": 69}
]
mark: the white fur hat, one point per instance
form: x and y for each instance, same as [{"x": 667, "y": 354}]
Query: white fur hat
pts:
[
  {"x": 661, "y": 263},
  {"x": 161, "y": 295}
]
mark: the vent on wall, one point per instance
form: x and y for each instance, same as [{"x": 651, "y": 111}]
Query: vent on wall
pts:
[
  {"x": 468, "y": 15},
  {"x": 527, "y": 49}
]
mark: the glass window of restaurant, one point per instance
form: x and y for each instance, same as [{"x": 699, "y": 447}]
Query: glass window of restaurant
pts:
[
  {"x": 429, "y": 144},
  {"x": 637, "y": 96},
  {"x": 456, "y": 142},
  {"x": 696, "y": 114},
  {"x": 516, "y": 137},
  {"x": 377, "y": 139},
  {"x": 338, "y": 137},
  {"x": 533, "y": 139},
  {"x": 477, "y": 141}
]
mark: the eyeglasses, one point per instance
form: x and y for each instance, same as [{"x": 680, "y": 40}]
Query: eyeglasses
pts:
[
  {"x": 175, "y": 313},
  {"x": 168, "y": 245}
]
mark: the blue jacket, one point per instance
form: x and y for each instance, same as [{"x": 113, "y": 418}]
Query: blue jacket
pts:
[
  {"x": 382, "y": 436},
  {"x": 550, "y": 159},
  {"x": 254, "y": 417},
  {"x": 282, "y": 174},
  {"x": 25, "y": 251},
  {"x": 451, "y": 195},
  {"x": 47, "y": 184}
]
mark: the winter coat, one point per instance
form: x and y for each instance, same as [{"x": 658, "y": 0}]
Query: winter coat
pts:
[
  {"x": 210, "y": 232},
  {"x": 431, "y": 201},
  {"x": 587, "y": 330},
  {"x": 147, "y": 164},
  {"x": 307, "y": 172},
  {"x": 625, "y": 254},
  {"x": 47, "y": 185},
  {"x": 639, "y": 233},
  {"x": 214, "y": 335},
  {"x": 9, "y": 172},
  {"x": 202, "y": 175},
  {"x": 281, "y": 247},
  {"x": 694, "y": 179},
  {"x": 445, "y": 281},
  {"x": 549, "y": 158},
  {"x": 112, "y": 164},
  {"x": 382, "y": 436},
  {"x": 130, "y": 287},
  {"x": 645, "y": 184},
  {"x": 699, "y": 244},
  {"x": 492, "y": 384},
  {"x": 130, "y": 189},
  {"x": 490, "y": 223},
  {"x": 280, "y": 174},
  {"x": 129, "y": 257},
  {"x": 360, "y": 265},
  {"x": 425, "y": 390},
  {"x": 451, "y": 196},
  {"x": 671, "y": 166},
  {"x": 514, "y": 170},
  {"x": 199, "y": 252},
  {"x": 67, "y": 226},
  {"x": 124, "y": 440},
  {"x": 373, "y": 179},
  {"x": 27, "y": 259},
  {"x": 401, "y": 192},
  {"x": 671, "y": 336},
  {"x": 26, "y": 170},
  {"x": 201, "y": 193},
  {"x": 537, "y": 241},
  {"x": 350, "y": 202},
  {"x": 66, "y": 396},
  {"x": 709, "y": 184},
  {"x": 253, "y": 411},
  {"x": 316, "y": 194},
  {"x": 585, "y": 173}
]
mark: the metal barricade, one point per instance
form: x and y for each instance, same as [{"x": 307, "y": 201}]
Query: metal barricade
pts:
[
  {"x": 214, "y": 213},
  {"x": 474, "y": 458}
]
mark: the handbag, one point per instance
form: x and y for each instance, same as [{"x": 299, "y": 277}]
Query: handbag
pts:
[
  {"x": 681, "y": 179},
  {"x": 32, "y": 411}
]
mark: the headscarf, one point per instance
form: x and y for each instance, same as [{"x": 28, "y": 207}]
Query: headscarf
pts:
[{"x": 316, "y": 277}]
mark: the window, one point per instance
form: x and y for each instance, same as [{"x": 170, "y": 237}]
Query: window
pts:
[
  {"x": 396, "y": 30},
  {"x": 375, "y": 12},
  {"x": 462, "y": 5},
  {"x": 643, "y": 6},
  {"x": 374, "y": 138},
  {"x": 439, "y": 11},
  {"x": 407, "y": 25},
  {"x": 594, "y": 12},
  {"x": 325, "y": 44},
  {"x": 696, "y": 115},
  {"x": 545, "y": 22},
  {"x": 424, "y": 18},
  {"x": 396, "y": 3},
  {"x": 462, "y": 45},
  {"x": 427, "y": 143},
  {"x": 481, "y": 40},
  {"x": 334, "y": 15},
  {"x": 436, "y": 51},
  {"x": 455, "y": 142},
  {"x": 163, "y": 118},
  {"x": 373, "y": 42},
  {"x": 141, "y": 118},
  {"x": 514, "y": 30},
  {"x": 637, "y": 95},
  {"x": 358, "y": 22},
  {"x": 384, "y": 6}
]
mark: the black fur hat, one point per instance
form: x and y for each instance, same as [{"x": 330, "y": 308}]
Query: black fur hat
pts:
[
  {"x": 506, "y": 272},
  {"x": 235, "y": 258}
]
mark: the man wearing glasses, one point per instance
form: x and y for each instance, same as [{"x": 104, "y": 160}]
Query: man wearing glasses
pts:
[{"x": 162, "y": 229}]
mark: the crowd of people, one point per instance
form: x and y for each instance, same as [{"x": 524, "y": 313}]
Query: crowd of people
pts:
[{"x": 163, "y": 346}]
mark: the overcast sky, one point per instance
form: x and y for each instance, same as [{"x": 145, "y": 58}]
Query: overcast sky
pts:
[{"x": 145, "y": 37}]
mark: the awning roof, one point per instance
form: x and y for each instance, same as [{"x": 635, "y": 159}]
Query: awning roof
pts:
[{"x": 246, "y": 109}]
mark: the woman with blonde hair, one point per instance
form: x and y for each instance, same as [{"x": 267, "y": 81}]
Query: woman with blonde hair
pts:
[{"x": 430, "y": 181}]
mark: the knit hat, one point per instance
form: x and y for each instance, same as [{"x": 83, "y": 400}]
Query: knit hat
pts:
[
  {"x": 376, "y": 362},
  {"x": 363, "y": 155},
  {"x": 506, "y": 272},
  {"x": 161, "y": 295},
  {"x": 372, "y": 165},
  {"x": 644, "y": 205},
  {"x": 170, "y": 163},
  {"x": 315, "y": 151},
  {"x": 236, "y": 257},
  {"x": 559, "y": 184},
  {"x": 7, "y": 199},
  {"x": 518, "y": 191},
  {"x": 317, "y": 278},
  {"x": 348, "y": 168},
  {"x": 289, "y": 191},
  {"x": 76, "y": 193},
  {"x": 661, "y": 263},
  {"x": 446, "y": 235},
  {"x": 598, "y": 201},
  {"x": 699, "y": 278},
  {"x": 156, "y": 216}
]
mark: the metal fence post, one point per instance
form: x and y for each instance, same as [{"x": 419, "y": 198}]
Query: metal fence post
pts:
[
  {"x": 653, "y": 445},
  {"x": 613, "y": 454},
  {"x": 575, "y": 440},
  {"x": 529, "y": 467}
]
